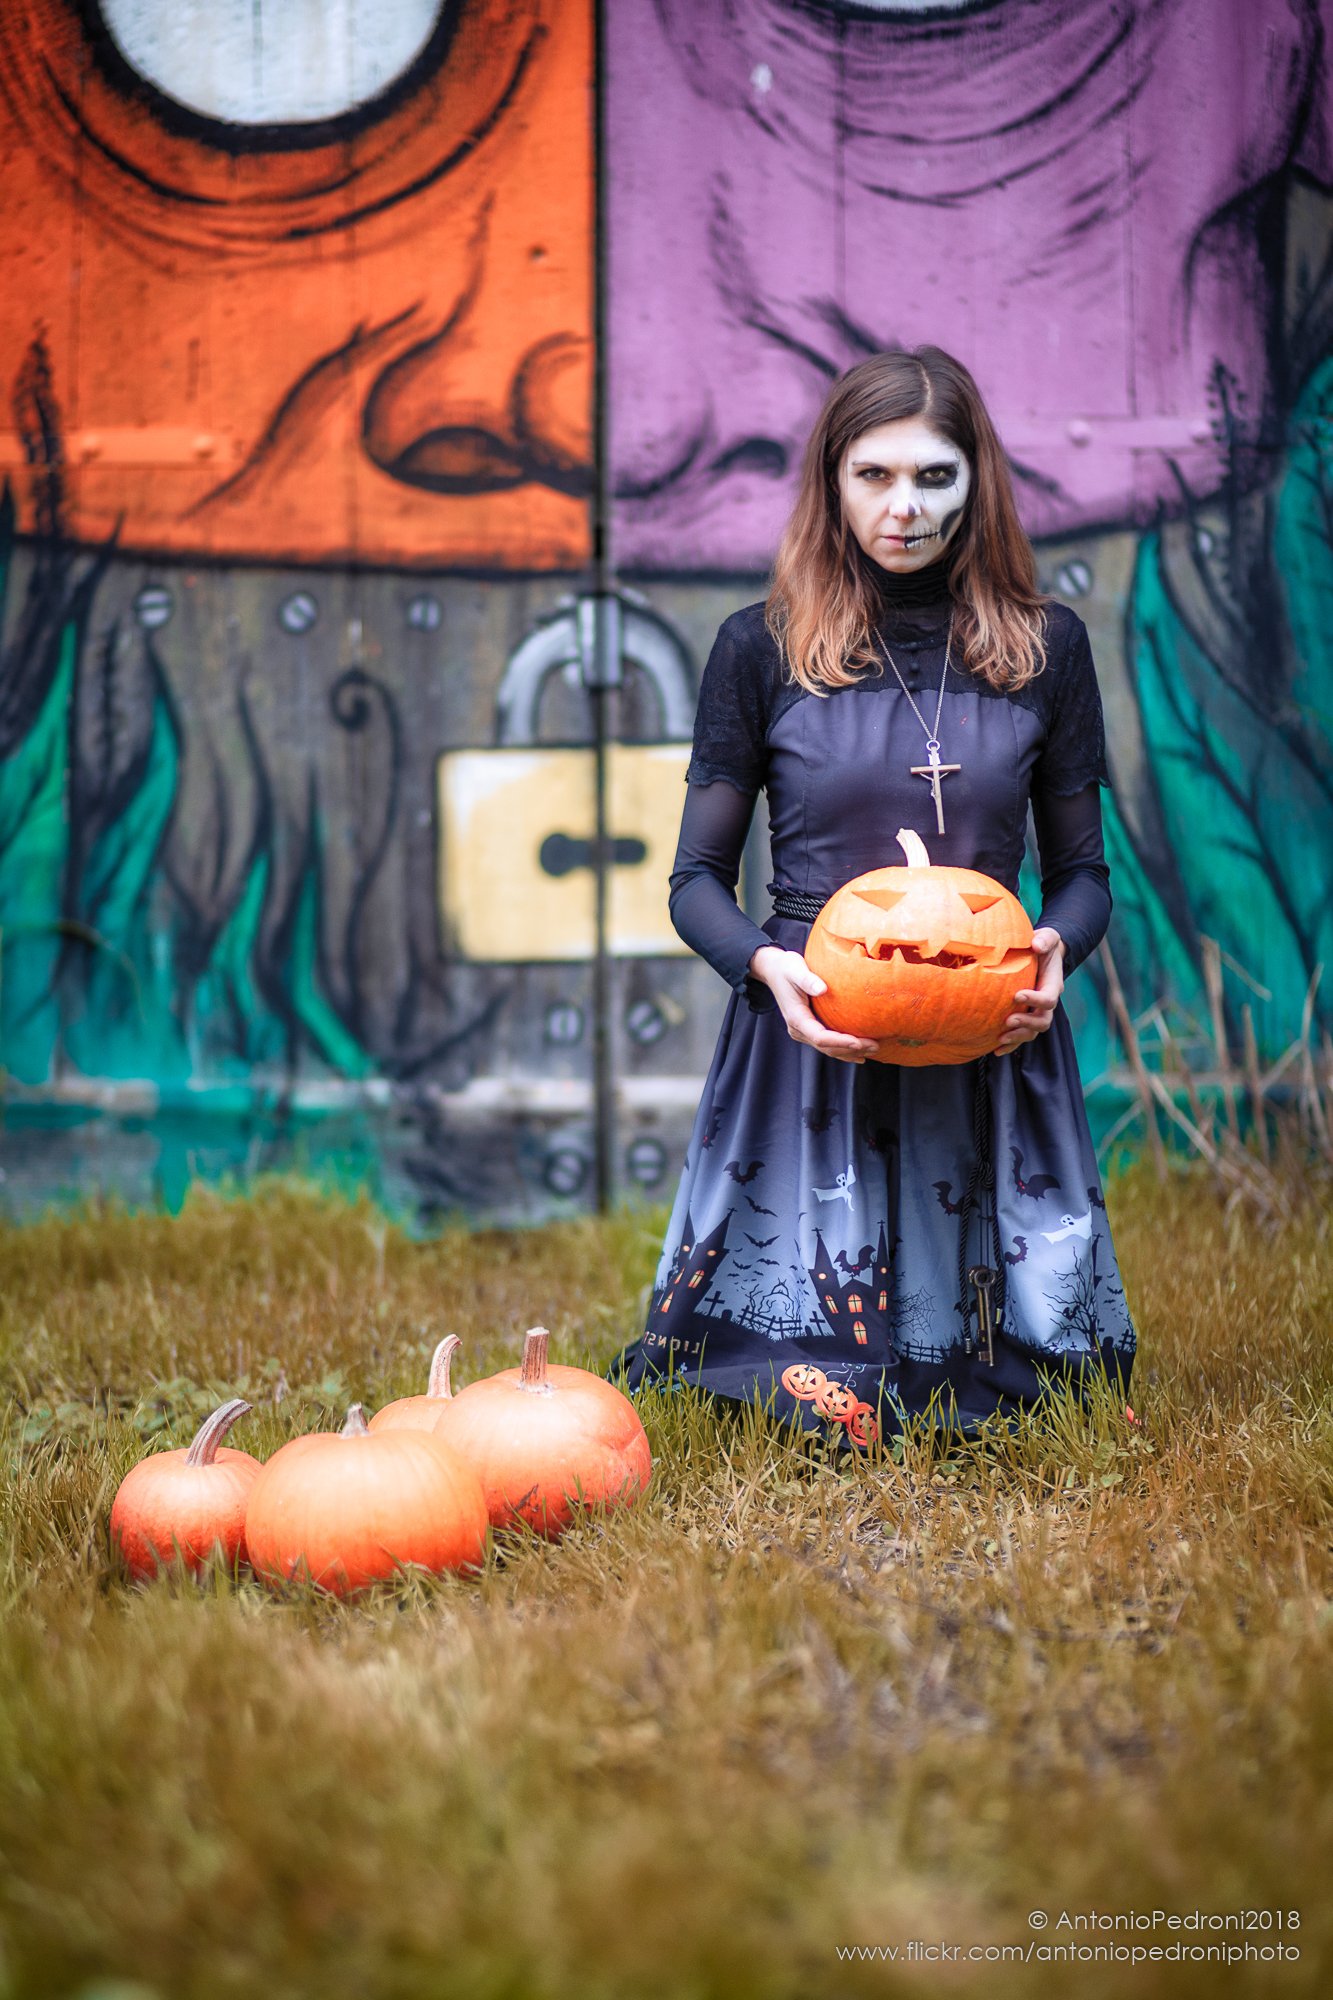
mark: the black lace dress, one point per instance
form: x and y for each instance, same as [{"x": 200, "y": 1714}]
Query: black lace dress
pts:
[{"x": 829, "y": 1214}]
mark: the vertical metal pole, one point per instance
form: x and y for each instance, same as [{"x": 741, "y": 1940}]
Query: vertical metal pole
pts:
[
  {"x": 601, "y": 658},
  {"x": 599, "y": 650}
]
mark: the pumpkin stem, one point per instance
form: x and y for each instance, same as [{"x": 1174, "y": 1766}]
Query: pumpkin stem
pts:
[
  {"x": 532, "y": 1374},
  {"x": 914, "y": 847},
  {"x": 355, "y": 1425},
  {"x": 439, "y": 1367},
  {"x": 204, "y": 1445}
]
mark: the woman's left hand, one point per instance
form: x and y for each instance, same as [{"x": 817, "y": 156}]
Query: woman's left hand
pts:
[{"x": 1034, "y": 1007}]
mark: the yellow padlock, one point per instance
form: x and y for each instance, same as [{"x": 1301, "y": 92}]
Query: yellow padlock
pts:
[
  {"x": 517, "y": 824},
  {"x": 516, "y": 851}
]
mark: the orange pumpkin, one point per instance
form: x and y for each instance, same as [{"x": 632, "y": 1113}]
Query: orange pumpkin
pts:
[
  {"x": 803, "y": 1380},
  {"x": 925, "y": 961},
  {"x": 181, "y": 1505},
  {"x": 419, "y": 1413},
  {"x": 542, "y": 1438},
  {"x": 350, "y": 1508},
  {"x": 837, "y": 1401},
  {"x": 863, "y": 1425}
]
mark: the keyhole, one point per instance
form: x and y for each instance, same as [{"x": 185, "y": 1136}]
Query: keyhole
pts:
[{"x": 561, "y": 853}]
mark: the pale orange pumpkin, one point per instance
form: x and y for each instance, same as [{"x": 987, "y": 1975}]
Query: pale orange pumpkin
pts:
[
  {"x": 925, "y": 961},
  {"x": 837, "y": 1401},
  {"x": 803, "y": 1380},
  {"x": 351, "y": 1508},
  {"x": 545, "y": 1439},
  {"x": 419, "y": 1413},
  {"x": 863, "y": 1425},
  {"x": 181, "y": 1505}
]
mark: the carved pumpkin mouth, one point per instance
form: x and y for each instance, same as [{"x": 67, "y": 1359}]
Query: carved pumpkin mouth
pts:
[
  {"x": 910, "y": 954},
  {"x": 949, "y": 958},
  {"x": 881, "y": 922}
]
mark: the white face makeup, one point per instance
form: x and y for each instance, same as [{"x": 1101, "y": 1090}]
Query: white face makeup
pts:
[{"x": 904, "y": 489}]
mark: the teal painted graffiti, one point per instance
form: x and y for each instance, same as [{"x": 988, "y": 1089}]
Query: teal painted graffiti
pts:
[
  {"x": 90, "y": 933},
  {"x": 1239, "y": 747},
  {"x": 34, "y": 829},
  {"x": 118, "y": 999}
]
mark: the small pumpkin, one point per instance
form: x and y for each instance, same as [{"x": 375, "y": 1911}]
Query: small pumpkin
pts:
[
  {"x": 181, "y": 1505},
  {"x": 863, "y": 1425},
  {"x": 803, "y": 1380},
  {"x": 350, "y": 1508},
  {"x": 925, "y": 961},
  {"x": 419, "y": 1413},
  {"x": 837, "y": 1401},
  {"x": 544, "y": 1437}
]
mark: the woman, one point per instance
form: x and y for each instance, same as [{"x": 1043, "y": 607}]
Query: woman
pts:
[{"x": 837, "y": 1218}]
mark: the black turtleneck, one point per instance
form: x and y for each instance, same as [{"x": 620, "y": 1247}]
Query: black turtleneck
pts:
[
  {"x": 908, "y": 590},
  {"x": 914, "y": 608}
]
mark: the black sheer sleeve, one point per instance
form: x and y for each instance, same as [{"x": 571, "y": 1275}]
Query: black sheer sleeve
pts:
[
  {"x": 735, "y": 696},
  {"x": 1074, "y": 753},
  {"x": 1066, "y": 797},
  {"x": 728, "y": 766},
  {"x": 1075, "y": 880},
  {"x": 703, "y": 882}
]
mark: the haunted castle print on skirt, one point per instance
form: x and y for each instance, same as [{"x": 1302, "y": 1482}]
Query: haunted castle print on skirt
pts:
[{"x": 830, "y": 1215}]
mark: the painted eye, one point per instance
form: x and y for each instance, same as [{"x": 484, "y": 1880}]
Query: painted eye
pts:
[{"x": 316, "y": 64}]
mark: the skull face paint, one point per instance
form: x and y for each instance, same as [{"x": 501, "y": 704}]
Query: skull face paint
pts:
[{"x": 904, "y": 491}]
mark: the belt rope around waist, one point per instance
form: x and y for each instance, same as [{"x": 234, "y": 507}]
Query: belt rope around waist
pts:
[{"x": 795, "y": 904}]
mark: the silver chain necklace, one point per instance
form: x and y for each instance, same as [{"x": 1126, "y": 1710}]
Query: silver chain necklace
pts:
[{"x": 934, "y": 770}]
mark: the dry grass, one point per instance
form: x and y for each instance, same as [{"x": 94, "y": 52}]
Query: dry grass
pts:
[{"x": 784, "y": 1706}]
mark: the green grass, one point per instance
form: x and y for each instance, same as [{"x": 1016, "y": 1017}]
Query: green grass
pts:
[{"x": 784, "y": 1705}]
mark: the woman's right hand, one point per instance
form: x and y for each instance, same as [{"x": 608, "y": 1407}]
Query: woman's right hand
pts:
[{"x": 792, "y": 984}]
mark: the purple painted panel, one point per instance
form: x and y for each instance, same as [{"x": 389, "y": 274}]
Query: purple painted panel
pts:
[{"x": 1061, "y": 192}]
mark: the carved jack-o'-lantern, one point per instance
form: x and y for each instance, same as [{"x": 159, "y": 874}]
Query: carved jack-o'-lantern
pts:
[
  {"x": 837, "y": 1401},
  {"x": 803, "y": 1380},
  {"x": 924, "y": 960}
]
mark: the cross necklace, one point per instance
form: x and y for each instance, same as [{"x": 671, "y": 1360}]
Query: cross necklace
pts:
[{"x": 932, "y": 771}]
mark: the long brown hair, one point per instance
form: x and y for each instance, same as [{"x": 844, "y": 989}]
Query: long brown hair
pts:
[{"x": 822, "y": 604}]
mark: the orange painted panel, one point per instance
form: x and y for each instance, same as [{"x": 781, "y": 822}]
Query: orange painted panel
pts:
[{"x": 367, "y": 339}]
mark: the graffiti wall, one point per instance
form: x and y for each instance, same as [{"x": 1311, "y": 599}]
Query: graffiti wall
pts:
[
  {"x": 1118, "y": 215},
  {"x": 396, "y": 401}
]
